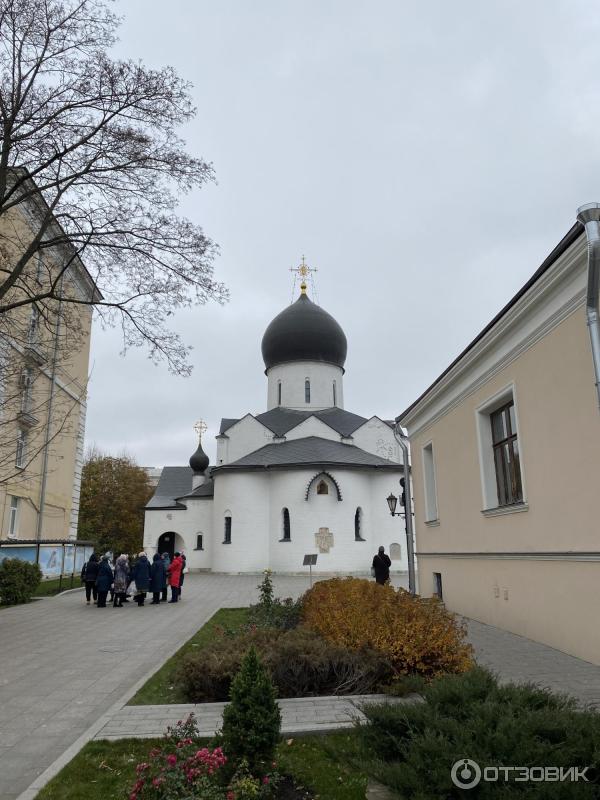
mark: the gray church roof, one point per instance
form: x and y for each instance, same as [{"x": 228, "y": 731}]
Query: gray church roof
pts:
[
  {"x": 281, "y": 420},
  {"x": 312, "y": 451},
  {"x": 175, "y": 484}
]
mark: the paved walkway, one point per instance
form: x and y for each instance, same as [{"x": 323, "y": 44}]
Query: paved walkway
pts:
[
  {"x": 298, "y": 716},
  {"x": 517, "y": 659}
]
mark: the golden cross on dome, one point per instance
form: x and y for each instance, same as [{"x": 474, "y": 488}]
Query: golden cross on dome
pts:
[
  {"x": 304, "y": 271},
  {"x": 200, "y": 427}
]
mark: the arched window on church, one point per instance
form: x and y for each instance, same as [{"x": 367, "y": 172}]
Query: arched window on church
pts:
[
  {"x": 307, "y": 391},
  {"x": 287, "y": 532},
  {"x": 334, "y": 394},
  {"x": 227, "y": 536},
  {"x": 278, "y": 393},
  {"x": 322, "y": 488},
  {"x": 358, "y": 525}
]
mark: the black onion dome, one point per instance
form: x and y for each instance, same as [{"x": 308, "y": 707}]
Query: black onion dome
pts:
[
  {"x": 304, "y": 332},
  {"x": 199, "y": 461}
]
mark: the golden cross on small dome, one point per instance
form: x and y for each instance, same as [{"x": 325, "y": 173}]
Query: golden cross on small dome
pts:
[
  {"x": 200, "y": 427},
  {"x": 304, "y": 271}
]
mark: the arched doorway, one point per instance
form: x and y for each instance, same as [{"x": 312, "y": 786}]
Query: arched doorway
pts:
[{"x": 166, "y": 543}]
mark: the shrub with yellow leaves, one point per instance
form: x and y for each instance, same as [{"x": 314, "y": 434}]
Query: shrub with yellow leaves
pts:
[{"x": 418, "y": 635}]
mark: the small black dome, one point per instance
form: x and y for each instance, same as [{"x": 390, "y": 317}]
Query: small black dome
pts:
[
  {"x": 199, "y": 461},
  {"x": 304, "y": 332}
]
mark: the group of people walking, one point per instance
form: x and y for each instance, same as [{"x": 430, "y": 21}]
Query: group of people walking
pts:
[{"x": 103, "y": 576}]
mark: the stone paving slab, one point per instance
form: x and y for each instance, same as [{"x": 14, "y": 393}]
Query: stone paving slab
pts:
[{"x": 298, "y": 715}]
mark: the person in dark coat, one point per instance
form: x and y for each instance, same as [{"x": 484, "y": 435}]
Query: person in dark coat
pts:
[
  {"x": 158, "y": 577},
  {"x": 104, "y": 581},
  {"x": 381, "y": 565},
  {"x": 174, "y": 571},
  {"x": 167, "y": 560},
  {"x": 89, "y": 573},
  {"x": 141, "y": 576}
]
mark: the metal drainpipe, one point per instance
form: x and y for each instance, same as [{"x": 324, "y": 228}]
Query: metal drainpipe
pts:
[
  {"x": 408, "y": 520},
  {"x": 42, "y": 500},
  {"x": 589, "y": 216}
]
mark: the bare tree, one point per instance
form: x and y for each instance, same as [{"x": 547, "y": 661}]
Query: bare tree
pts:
[{"x": 91, "y": 144}]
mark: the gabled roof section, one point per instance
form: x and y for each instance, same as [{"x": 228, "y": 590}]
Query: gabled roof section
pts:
[
  {"x": 174, "y": 482},
  {"x": 206, "y": 489},
  {"x": 226, "y": 423},
  {"x": 312, "y": 451},
  {"x": 281, "y": 420}
]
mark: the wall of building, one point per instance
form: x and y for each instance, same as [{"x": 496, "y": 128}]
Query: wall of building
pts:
[
  {"x": 532, "y": 569},
  {"x": 293, "y": 376},
  {"x": 246, "y": 436},
  {"x": 375, "y": 436}
]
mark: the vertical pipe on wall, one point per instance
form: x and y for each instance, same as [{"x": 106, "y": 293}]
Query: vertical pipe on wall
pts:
[{"x": 589, "y": 216}]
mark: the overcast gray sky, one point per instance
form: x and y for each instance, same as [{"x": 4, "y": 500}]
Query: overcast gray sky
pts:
[{"x": 425, "y": 157}]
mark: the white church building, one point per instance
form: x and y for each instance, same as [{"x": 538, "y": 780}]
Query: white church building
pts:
[{"x": 304, "y": 476}]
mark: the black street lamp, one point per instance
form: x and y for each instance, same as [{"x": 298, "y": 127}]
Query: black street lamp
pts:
[{"x": 392, "y": 502}]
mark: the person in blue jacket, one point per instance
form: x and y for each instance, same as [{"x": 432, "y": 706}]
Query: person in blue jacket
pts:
[
  {"x": 158, "y": 578},
  {"x": 104, "y": 581},
  {"x": 141, "y": 576}
]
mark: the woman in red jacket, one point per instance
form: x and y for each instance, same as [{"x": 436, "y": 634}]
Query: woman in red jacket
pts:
[{"x": 174, "y": 571}]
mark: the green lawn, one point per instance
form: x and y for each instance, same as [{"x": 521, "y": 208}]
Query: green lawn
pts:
[
  {"x": 104, "y": 770},
  {"x": 51, "y": 587},
  {"x": 159, "y": 690}
]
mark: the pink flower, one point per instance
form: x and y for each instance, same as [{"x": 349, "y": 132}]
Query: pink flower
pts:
[
  {"x": 172, "y": 759},
  {"x": 266, "y": 779}
]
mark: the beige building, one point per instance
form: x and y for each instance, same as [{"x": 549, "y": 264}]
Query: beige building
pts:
[
  {"x": 506, "y": 466},
  {"x": 44, "y": 353}
]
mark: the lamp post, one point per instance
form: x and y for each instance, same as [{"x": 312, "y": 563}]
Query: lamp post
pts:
[{"x": 392, "y": 502}]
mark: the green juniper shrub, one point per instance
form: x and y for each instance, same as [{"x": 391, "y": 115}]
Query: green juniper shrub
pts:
[
  {"x": 252, "y": 720},
  {"x": 284, "y": 614},
  {"x": 300, "y": 662},
  {"x": 411, "y": 748},
  {"x": 18, "y": 581}
]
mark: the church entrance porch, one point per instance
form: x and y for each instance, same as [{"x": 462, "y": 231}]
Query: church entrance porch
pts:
[{"x": 170, "y": 542}]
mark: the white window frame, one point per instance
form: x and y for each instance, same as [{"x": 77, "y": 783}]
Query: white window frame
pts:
[
  {"x": 334, "y": 395},
  {"x": 279, "y": 393},
  {"x": 429, "y": 483},
  {"x": 487, "y": 468},
  {"x": 307, "y": 390},
  {"x": 227, "y": 533},
  {"x": 13, "y": 519}
]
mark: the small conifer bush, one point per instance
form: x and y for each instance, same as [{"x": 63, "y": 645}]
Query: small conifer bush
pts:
[{"x": 252, "y": 720}]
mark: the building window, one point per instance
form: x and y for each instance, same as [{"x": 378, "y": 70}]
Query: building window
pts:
[
  {"x": 227, "y": 539},
  {"x": 279, "y": 393},
  {"x": 307, "y": 391},
  {"x": 21, "y": 448},
  {"x": 437, "y": 585},
  {"x": 431, "y": 509},
  {"x": 358, "y": 525},
  {"x": 334, "y": 394},
  {"x": 13, "y": 520},
  {"x": 26, "y": 385},
  {"x": 322, "y": 488},
  {"x": 34, "y": 327},
  {"x": 287, "y": 533},
  {"x": 200, "y": 541},
  {"x": 506, "y": 455}
]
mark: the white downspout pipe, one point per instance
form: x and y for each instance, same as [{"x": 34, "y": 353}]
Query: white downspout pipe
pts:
[{"x": 589, "y": 216}]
